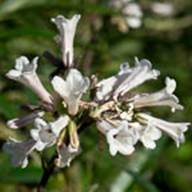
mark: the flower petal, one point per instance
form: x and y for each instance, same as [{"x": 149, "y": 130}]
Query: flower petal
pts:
[
  {"x": 140, "y": 73},
  {"x": 104, "y": 88},
  {"x": 59, "y": 124},
  {"x": 19, "y": 150}
]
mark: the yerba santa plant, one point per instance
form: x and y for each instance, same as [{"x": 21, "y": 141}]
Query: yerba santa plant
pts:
[{"x": 113, "y": 104}]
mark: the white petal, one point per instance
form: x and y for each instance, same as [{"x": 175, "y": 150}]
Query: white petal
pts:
[
  {"x": 25, "y": 163},
  {"x": 61, "y": 87},
  {"x": 59, "y": 124},
  {"x": 124, "y": 68},
  {"x": 40, "y": 146},
  {"x": 13, "y": 74},
  {"x": 170, "y": 85},
  {"x": 134, "y": 22},
  {"x": 163, "y": 8},
  {"x": 20, "y": 62},
  {"x": 11, "y": 123},
  {"x": 34, "y": 134},
  {"x": 77, "y": 82},
  {"x": 148, "y": 143},
  {"x": 105, "y": 87},
  {"x": 153, "y": 133},
  {"x": 104, "y": 126},
  {"x": 132, "y": 9},
  {"x": 40, "y": 123}
]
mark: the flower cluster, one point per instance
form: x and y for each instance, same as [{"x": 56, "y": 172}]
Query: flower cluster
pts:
[
  {"x": 116, "y": 109},
  {"x": 120, "y": 115}
]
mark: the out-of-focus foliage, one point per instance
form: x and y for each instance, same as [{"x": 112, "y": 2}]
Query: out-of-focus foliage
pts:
[{"x": 25, "y": 29}]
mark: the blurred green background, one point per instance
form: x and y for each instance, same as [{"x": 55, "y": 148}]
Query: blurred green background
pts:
[{"x": 100, "y": 47}]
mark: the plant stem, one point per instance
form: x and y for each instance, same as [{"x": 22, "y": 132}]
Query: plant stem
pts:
[{"x": 48, "y": 171}]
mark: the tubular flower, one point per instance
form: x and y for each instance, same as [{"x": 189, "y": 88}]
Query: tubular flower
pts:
[
  {"x": 67, "y": 28},
  {"x": 71, "y": 89},
  {"x": 23, "y": 121},
  {"x": 46, "y": 134},
  {"x": 174, "y": 130},
  {"x": 120, "y": 137},
  {"x": 19, "y": 151},
  {"x": 165, "y": 97},
  {"x": 25, "y": 73}
]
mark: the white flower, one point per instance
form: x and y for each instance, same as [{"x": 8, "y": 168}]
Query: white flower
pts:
[
  {"x": 66, "y": 154},
  {"x": 67, "y": 28},
  {"x": 71, "y": 89},
  {"x": 133, "y": 15},
  {"x": 139, "y": 74},
  {"x": 174, "y": 130},
  {"x": 131, "y": 12},
  {"x": 25, "y": 73},
  {"x": 46, "y": 134},
  {"x": 163, "y": 8},
  {"x": 165, "y": 97},
  {"x": 23, "y": 121},
  {"x": 19, "y": 151},
  {"x": 147, "y": 134},
  {"x": 127, "y": 79},
  {"x": 119, "y": 136}
]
